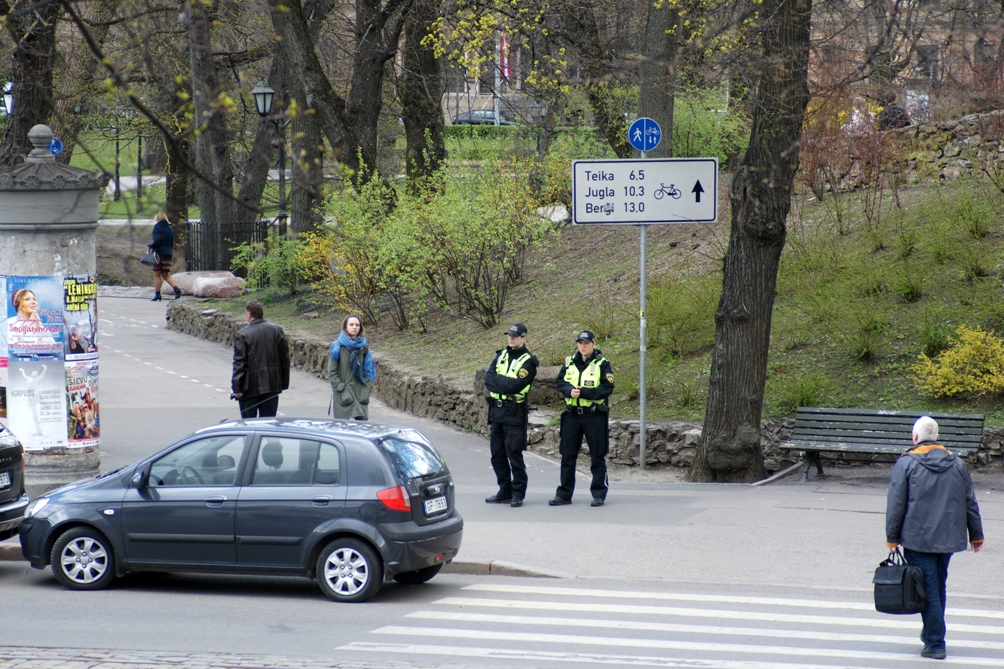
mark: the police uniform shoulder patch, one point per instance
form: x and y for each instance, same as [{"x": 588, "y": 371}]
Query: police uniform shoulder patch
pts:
[
  {"x": 610, "y": 378},
  {"x": 523, "y": 373}
]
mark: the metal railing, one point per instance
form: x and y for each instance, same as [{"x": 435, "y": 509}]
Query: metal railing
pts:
[{"x": 209, "y": 247}]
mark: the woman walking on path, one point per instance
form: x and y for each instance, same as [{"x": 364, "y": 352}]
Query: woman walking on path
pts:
[
  {"x": 163, "y": 246},
  {"x": 351, "y": 371}
]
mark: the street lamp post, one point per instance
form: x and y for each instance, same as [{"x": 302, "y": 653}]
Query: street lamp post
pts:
[{"x": 263, "y": 97}]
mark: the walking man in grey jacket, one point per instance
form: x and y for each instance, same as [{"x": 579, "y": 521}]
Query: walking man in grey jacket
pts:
[{"x": 931, "y": 511}]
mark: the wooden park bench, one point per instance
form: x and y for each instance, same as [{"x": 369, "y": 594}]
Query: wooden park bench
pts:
[{"x": 868, "y": 431}]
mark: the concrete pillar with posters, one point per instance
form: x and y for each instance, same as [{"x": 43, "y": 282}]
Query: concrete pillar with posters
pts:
[{"x": 49, "y": 343}]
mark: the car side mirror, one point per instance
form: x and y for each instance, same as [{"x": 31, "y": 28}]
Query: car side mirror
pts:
[{"x": 138, "y": 479}]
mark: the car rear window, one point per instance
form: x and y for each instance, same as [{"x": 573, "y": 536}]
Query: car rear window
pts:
[{"x": 412, "y": 459}]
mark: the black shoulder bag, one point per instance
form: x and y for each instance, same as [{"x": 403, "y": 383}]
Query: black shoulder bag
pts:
[{"x": 899, "y": 587}]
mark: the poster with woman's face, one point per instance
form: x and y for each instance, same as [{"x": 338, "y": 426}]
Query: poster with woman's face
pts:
[{"x": 34, "y": 323}]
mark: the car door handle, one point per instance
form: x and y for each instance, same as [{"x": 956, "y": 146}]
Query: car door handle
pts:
[
  {"x": 215, "y": 500},
  {"x": 321, "y": 500}
]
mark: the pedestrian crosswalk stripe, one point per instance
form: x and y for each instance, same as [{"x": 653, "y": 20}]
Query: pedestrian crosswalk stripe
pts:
[
  {"x": 643, "y": 626},
  {"x": 886, "y": 622},
  {"x": 665, "y": 644},
  {"x": 685, "y": 597},
  {"x": 580, "y": 658}
]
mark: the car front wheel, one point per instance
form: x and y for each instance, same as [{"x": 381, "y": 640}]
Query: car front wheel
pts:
[
  {"x": 419, "y": 576},
  {"x": 348, "y": 570},
  {"x": 82, "y": 559}
]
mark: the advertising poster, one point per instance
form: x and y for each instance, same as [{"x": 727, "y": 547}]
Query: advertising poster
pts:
[
  {"x": 36, "y": 403},
  {"x": 3, "y": 352},
  {"x": 80, "y": 317},
  {"x": 82, "y": 423},
  {"x": 34, "y": 323}
]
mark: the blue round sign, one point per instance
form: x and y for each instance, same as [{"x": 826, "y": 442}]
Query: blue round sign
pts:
[
  {"x": 644, "y": 134},
  {"x": 55, "y": 146}
]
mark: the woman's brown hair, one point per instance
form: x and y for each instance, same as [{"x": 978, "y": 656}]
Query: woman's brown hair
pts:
[{"x": 345, "y": 323}]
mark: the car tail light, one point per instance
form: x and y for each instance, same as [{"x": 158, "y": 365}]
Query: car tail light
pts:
[{"x": 396, "y": 499}]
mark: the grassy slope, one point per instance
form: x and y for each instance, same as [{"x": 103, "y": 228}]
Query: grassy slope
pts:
[{"x": 848, "y": 322}]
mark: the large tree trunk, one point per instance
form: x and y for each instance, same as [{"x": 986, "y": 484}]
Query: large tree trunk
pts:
[
  {"x": 213, "y": 142},
  {"x": 306, "y": 195},
  {"x": 378, "y": 30},
  {"x": 657, "y": 73},
  {"x": 34, "y": 34},
  {"x": 262, "y": 149},
  {"x": 298, "y": 49},
  {"x": 761, "y": 197},
  {"x": 75, "y": 83},
  {"x": 421, "y": 96},
  {"x": 580, "y": 17}
]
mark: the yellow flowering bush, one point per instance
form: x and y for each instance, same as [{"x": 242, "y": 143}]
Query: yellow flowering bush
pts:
[{"x": 973, "y": 364}]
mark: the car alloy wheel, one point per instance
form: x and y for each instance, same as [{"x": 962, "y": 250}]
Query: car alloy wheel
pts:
[
  {"x": 82, "y": 559},
  {"x": 348, "y": 570},
  {"x": 419, "y": 576}
]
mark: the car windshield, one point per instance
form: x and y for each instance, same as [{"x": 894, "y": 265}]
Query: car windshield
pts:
[{"x": 412, "y": 459}]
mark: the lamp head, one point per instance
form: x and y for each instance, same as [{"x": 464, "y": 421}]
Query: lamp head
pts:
[{"x": 263, "y": 96}]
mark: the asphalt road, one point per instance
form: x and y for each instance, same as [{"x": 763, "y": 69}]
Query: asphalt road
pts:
[{"x": 661, "y": 540}]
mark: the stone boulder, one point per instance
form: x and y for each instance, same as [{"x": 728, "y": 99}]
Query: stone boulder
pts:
[{"x": 210, "y": 284}]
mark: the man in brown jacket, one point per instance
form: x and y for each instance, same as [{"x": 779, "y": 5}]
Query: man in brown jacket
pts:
[{"x": 261, "y": 364}]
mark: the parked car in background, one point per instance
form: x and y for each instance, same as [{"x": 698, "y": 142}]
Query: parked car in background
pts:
[
  {"x": 481, "y": 117},
  {"x": 349, "y": 504},
  {"x": 13, "y": 499}
]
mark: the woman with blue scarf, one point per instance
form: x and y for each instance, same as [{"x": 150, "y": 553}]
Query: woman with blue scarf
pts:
[{"x": 351, "y": 370}]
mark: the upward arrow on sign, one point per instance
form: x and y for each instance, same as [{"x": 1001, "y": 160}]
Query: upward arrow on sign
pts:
[{"x": 698, "y": 189}]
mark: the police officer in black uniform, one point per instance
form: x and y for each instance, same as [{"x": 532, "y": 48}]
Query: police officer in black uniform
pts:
[
  {"x": 508, "y": 382},
  {"x": 586, "y": 380}
]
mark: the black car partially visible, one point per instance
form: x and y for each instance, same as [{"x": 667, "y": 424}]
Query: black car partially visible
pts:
[{"x": 13, "y": 498}]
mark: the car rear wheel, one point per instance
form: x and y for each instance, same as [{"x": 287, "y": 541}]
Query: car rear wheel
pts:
[
  {"x": 348, "y": 570},
  {"x": 82, "y": 559},
  {"x": 419, "y": 576}
]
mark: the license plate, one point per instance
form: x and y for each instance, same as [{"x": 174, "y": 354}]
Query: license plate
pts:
[
  {"x": 435, "y": 505},
  {"x": 5, "y": 481}
]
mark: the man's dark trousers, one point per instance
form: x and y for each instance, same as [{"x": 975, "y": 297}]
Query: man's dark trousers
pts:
[
  {"x": 935, "y": 568},
  {"x": 593, "y": 426},
  {"x": 506, "y": 443},
  {"x": 264, "y": 406}
]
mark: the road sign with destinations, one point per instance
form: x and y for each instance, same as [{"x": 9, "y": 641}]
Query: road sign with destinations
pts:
[
  {"x": 644, "y": 134},
  {"x": 656, "y": 190}
]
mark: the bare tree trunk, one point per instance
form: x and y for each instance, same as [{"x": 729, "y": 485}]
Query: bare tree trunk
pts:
[
  {"x": 581, "y": 20},
  {"x": 178, "y": 177},
  {"x": 298, "y": 49},
  {"x": 421, "y": 96},
  {"x": 75, "y": 83},
  {"x": 262, "y": 149},
  {"x": 657, "y": 73},
  {"x": 213, "y": 143},
  {"x": 378, "y": 30},
  {"x": 761, "y": 197},
  {"x": 34, "y": 34}
]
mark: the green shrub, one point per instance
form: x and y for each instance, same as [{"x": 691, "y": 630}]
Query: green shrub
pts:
[
  {"x": 909, "y": 284},
  {"x": 805, "y": 390},
  {"x": 862, "y": 330},
  {"x": 973, "y": 364},
  {"x": 681, "y": 313},
  {"x": 703, "y": 126},
  {"x": 274, "y": 262},
  {"x": 931, "y": 332}
]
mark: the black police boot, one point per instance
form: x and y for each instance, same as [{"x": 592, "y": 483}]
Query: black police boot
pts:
[
  {"x": 497, "y": 498},
  {"x": 516, "y": 501}
]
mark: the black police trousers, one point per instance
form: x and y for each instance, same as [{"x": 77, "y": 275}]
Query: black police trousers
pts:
[
  {"x": 593, "y": 426},
  {"x": 507, "y": 443}
]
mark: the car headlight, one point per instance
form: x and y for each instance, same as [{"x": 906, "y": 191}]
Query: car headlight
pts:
[{"x": 36, "y": 506}]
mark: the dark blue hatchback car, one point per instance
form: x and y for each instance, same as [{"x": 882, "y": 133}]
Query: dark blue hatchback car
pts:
[{"x": 349, "y": 504}]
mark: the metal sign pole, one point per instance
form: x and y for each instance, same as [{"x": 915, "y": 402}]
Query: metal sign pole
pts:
[{"x": 642, "y": 341}]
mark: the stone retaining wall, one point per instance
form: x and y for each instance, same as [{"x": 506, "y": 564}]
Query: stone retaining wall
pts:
[
  {"x": 965, "y": 146},
  {"x": 445, "y": 399}
]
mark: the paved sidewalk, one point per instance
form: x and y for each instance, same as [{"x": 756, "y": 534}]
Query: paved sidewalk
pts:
[{"x": 21, "y": 657}]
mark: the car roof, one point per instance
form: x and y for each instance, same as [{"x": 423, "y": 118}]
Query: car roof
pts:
[{"x": 318, "y": 427}]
